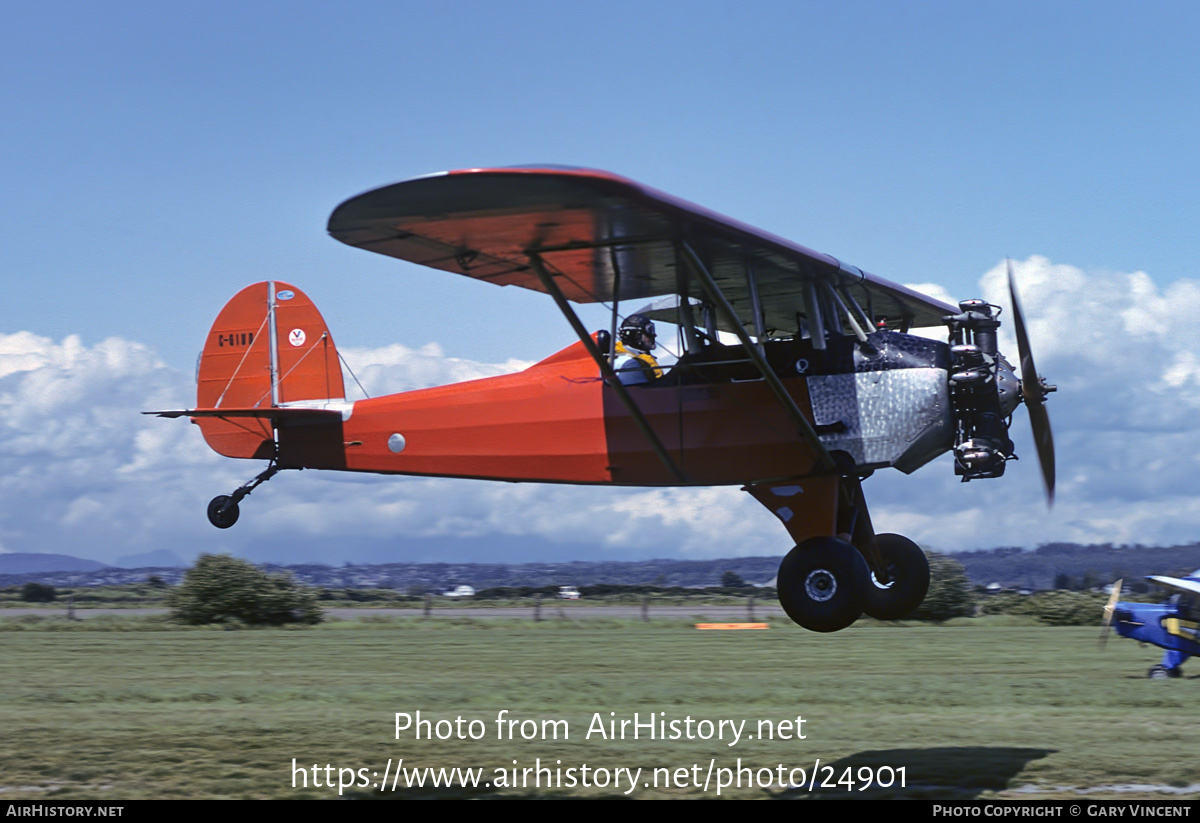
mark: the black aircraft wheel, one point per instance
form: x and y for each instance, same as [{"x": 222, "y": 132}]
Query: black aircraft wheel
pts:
[
  {"x": 908, "y": 570},
  {"x": 823, "y": 584},
  {"x": 222, "y": 519},
  {"x": 1158, "y": 672}
]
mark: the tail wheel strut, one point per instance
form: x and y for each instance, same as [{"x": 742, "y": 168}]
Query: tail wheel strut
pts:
[{"x": 223, "y": 509}]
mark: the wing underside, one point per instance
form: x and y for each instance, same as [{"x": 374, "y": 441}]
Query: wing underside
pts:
[
  {"x": 604, "y": 238},
  {"x": 1184, "y": 585}
]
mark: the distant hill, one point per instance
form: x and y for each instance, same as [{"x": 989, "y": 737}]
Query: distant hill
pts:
[
  {"x": 161, "y": 559},
  {"x": 440, "y": 576},
  {"x": 437, "y": 577},
  {"x": 1041, "y": 568},
  {"x": 1100, "y": 564},
  {"x": 29, "y": 563}
]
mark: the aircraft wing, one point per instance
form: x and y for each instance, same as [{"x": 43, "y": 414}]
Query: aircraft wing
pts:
[
  {"x": 602, "y": 237},
  {"x": 1187, "y": 585}
]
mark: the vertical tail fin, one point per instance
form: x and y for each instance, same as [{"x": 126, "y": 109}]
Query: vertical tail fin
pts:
[{"x": 268, "y": 347}]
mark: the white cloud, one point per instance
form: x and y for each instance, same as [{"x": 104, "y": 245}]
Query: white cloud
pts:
[
  {"x": 934, "y": 290},
  {"x": 81, "y": 472},
  {"x": 398, "y": 368},
  {"x": 1120, "y": 350}
]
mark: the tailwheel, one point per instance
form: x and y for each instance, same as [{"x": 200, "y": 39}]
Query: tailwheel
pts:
[
  {"x": 823, "y": 584},
  {"x": 223, "y": 511},
  {"x": 907, "y": 572}
]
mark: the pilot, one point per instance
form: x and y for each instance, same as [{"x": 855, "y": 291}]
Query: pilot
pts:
[
  {"x": 635, "y": 365},
  {"x": 1189, "y": 606}
]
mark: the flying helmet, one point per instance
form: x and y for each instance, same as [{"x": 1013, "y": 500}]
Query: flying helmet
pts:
[{"x": 637, "y": 332}]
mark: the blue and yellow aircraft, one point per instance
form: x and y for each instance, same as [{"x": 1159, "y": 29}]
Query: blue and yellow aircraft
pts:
[{"x": 1173, "y": 626}]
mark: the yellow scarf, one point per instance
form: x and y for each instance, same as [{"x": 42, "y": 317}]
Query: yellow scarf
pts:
[{"x": 645, "y": 357}]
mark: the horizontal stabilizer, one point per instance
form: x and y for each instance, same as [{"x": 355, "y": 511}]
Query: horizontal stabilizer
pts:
[{"x": 270, "y": 413}]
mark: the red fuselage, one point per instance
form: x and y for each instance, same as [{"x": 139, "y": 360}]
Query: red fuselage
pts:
[{"x": 558, "y": 422}]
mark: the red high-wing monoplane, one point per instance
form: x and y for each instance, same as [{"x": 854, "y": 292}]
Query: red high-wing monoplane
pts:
[{"x": 795, "y": 375}]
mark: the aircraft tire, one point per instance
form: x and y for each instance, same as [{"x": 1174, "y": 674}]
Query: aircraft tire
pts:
[
  {"x": 1160, "y": 672},
  {"x": 909, "y": 570},
  {"x": 822, "y": 584},
  {"x": 222, "y": 520}
]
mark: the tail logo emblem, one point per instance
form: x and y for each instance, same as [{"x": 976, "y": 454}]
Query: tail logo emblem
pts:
[{"x": 296, "y": 337}]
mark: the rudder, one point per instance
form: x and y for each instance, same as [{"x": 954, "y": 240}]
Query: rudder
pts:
[{"x": 268, "y": 347}]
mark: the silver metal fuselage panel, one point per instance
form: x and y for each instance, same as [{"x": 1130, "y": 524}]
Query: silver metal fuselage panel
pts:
[{"x": 897, "y": 417}]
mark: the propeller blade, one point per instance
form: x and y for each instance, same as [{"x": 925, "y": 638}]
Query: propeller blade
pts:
[
  {"x": 1109, "y": 608},
  {"x": 1031, "y": 391}
]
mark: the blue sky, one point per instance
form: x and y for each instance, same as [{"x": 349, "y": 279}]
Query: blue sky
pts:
[{"x": 159, "y": 157}]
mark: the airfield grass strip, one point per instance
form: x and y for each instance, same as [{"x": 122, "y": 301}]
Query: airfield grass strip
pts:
[{"x": 147, "y": 709}]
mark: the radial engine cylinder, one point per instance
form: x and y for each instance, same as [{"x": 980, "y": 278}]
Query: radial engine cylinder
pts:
[{"x": 983, "y": 392}]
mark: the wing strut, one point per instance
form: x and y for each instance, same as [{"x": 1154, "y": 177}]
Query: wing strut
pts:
[
  {"x": 816, "y": 322},
  {"x": 606, "y": 369},
  {"x": 789, "y": 405},
  {"x": 837, "y": 299},
  {"x": 616, "y": 304},
  {"x": 756, "y": 306}
]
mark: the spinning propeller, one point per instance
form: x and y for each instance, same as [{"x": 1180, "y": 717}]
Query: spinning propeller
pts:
[
  {"x": 1109, "y": 608},
  {"x": 1034, "y": 390}
]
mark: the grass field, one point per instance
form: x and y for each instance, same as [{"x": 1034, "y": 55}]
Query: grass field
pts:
[{"x": 970, "y": 711}]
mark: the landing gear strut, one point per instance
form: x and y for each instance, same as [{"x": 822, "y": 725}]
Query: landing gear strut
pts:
[{"x": 223, "y": 509}]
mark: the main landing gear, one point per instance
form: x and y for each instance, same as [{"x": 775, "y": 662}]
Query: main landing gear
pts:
[
  {"x": 825, "y": 584},
  {"x": 1160, "y": 672},
  {"x": 223, "y": 509}
]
